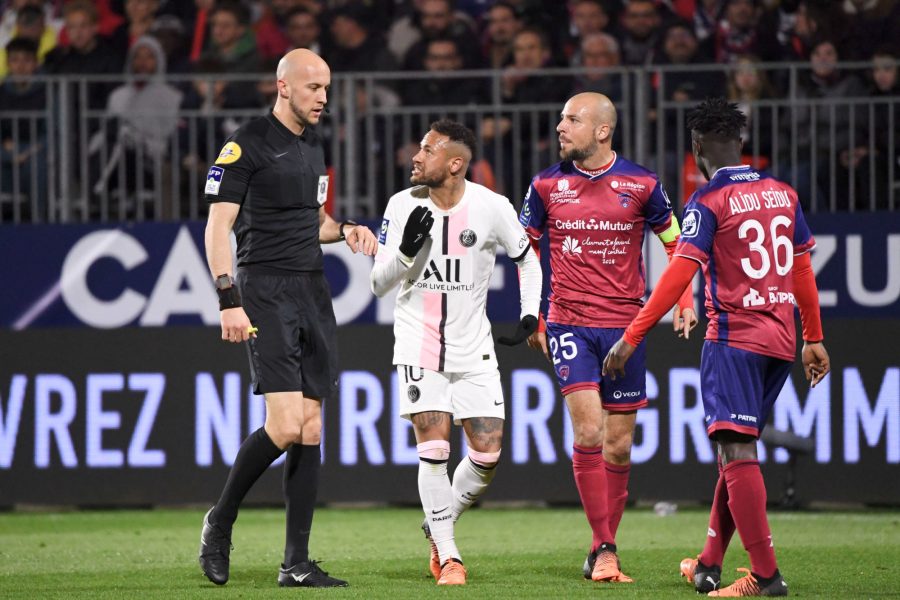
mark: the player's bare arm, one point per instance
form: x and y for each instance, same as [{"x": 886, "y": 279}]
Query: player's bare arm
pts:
[
  {"x": 359, "y": 238},
  {"x": 236, "y": 326}
]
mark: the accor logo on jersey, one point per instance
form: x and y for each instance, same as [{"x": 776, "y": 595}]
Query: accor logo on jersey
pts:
[{"x": 446, "y": 277}]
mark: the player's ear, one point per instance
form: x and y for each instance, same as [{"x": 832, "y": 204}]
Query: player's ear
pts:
[
  {"x": 283, "y": 89},
  {"x": 601, "y": 133}
]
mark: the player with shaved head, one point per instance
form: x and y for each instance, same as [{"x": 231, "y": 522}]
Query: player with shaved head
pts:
[
  {"x": 269, "y": 186},
  {"x": 595, "y": 206},
  {"x": 438, "y": 243}
]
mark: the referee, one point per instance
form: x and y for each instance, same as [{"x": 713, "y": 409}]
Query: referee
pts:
[{"x": 269, "y": 184}]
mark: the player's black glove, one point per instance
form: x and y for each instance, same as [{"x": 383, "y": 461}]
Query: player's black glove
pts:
[
  {"x": 416, "y": 231},
  {"x": 527, "y": 326}
]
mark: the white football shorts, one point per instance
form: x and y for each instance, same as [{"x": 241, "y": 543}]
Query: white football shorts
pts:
[{"x": 464, "y": 395}]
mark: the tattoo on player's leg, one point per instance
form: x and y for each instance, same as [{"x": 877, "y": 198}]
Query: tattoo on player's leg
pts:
[
  {"x": 485, "y": 432},
  {"x": 431, "y": 418}
]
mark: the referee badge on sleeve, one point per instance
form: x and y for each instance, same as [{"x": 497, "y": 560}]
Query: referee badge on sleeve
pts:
[{"x": 214, "y": 180}]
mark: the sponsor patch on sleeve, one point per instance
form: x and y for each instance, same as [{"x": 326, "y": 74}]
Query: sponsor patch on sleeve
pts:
[
  {"x": 691, "y": 225},
  {"x": 214, "y": 180},
  {"x": 230, "y": 153},
  {"x": 322, "y": 190},
  {"x": 382, "y": 235}
]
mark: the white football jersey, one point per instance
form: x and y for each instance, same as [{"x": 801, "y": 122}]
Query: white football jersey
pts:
[{"x": 440, "y": 319}]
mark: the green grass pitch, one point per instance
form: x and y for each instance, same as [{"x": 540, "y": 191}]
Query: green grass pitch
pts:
[{"x": 510, "y": 553}]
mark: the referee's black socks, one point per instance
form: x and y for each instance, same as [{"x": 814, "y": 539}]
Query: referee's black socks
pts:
[
  {"x": 253, "y": 458},
  {"x": 301, "y": 486}
]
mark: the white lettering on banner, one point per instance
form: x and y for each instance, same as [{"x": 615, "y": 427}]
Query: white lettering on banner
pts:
[
  {"x": 10, "y": 418},
  {"x": 856, "y": 265},
  {"x": 534, "y": 420},
  {"x": 47, "y": 422},
  {"x": 217, "y": 417},
  {"x": 826, "y": 246},
  {"x": 883, "y": 417},
  {"x": 183, "y": 286},
  {"x": 183, "y": 264},
  {"x": 684, "y": 419},
  {"x": 812, "y": 419},
  {"x": 138, "y": 454},
  {"x": 871, "y": 418},
  {"x": 99, "y": 419},
  {"x": 402, "y": 452},
  {"x": 646, "y": 426},
  {"x": 356, "y": 385},
  {"x": 75, "y": 292}
]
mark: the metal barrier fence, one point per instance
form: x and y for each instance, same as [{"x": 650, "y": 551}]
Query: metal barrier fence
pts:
[{"x": 75, "y": 157}]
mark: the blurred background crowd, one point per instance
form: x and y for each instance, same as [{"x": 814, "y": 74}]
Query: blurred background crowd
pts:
[{"x": 169, "y": 58}]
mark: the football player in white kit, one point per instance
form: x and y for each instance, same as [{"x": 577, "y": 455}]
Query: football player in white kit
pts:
[{"x": 438, "y": 242}]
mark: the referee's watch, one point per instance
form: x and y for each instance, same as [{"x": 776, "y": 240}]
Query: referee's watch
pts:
[{"x": 341, "y": 235}]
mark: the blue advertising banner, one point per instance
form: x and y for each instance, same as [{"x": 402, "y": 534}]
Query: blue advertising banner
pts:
[{"x": 155, "y": 274}]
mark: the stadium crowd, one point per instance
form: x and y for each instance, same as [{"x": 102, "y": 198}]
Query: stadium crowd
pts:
[{"x": 154, "y": 37}]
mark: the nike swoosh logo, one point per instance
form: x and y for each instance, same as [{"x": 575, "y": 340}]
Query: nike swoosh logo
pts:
[
  {"x": 498, "y": 403},
  {"x": 437, "y": 512},
  {"x": 280, "y": 155},
  {"x": 300, "y": 578}
]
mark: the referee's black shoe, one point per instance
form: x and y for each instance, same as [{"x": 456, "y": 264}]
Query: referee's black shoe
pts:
[
  {"x": 307, "y": 574},
  {"x": 215, "y": 549}
]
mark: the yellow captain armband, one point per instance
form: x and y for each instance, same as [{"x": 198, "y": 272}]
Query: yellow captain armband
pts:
[{"x": 670, "y": 234}]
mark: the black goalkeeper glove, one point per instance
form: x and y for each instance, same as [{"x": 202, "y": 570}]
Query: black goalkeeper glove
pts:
[
  {"x": 527, "y": 326},
  {"x": 416, "y": 231}
]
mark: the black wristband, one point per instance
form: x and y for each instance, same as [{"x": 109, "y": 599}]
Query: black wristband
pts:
[
  {"x": 341, "y": 235},
  {"x": 229, "y": 298}
]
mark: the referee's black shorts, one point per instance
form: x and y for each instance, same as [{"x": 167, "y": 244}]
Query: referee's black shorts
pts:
[{"x": 295, "y": 349}]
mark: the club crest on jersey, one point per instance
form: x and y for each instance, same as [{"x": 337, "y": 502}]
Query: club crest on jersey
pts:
[
  {"x": 467, "y": 238},
  {"x": 691, "y": 225},
  {"x": 230, "y": 153},
  {"x": 624, "y": 199},
  {"x": 413, "y": 393},
  {"x": 564, "y": 372}
]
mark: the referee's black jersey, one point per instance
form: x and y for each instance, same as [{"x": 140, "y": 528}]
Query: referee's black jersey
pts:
[{"x": 279, "y": 179}]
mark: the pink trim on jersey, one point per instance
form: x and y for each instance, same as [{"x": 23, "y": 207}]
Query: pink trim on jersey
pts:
[
  {"x": 431, "y": 335},
  {"x": 459, "y": 221},
  {"x": 728, "y": 425},
  {"x": 625, "y": 407},
  {"x": 577, "y": 387}
]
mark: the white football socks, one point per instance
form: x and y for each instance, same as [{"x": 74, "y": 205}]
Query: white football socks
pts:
[
  {"x": 470, "y": 480},
  {"x": 437, "y": 495}
]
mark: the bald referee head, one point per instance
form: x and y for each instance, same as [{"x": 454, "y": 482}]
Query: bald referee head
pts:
[{"x": 303, "y": 82}]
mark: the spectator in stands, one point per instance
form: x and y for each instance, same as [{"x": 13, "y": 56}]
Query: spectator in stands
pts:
[
  {"x": 355, "y": 46},
  {"x": 436, "y": 19},
  {"x": 641, "y": 27},
  {"x": 86, "y": 53},
  {"x": 706, "y": 18},
  {"x": 600, "y": 52},
  {"x": 831, "y": 128},
  {"x": 233, "y": 43},
  {"x": 811, "y": 22},
  {"x": 503, "y": 23},
  {"x": 169, "y": 32},
  {"x": 746, "y": 29},
  {"x": 23, "y": 152},
  {"x": 443, "y": 55},
  {"x": 271, "y": 28},
  {"x": 747, "y": 85},
  {"x": 867, "y": 25},
  {"x": 139, "y": 15},
  {"x": 144, "y": 116},
  {"x": 588, "y": 17},
  {"x": 303, "y": 30},
  {"x": 885, "y": 87},
  {"x": 407, "y": 29},
  {"x": 523, "y": 83},
  {"x": 31, "y": 24}
]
